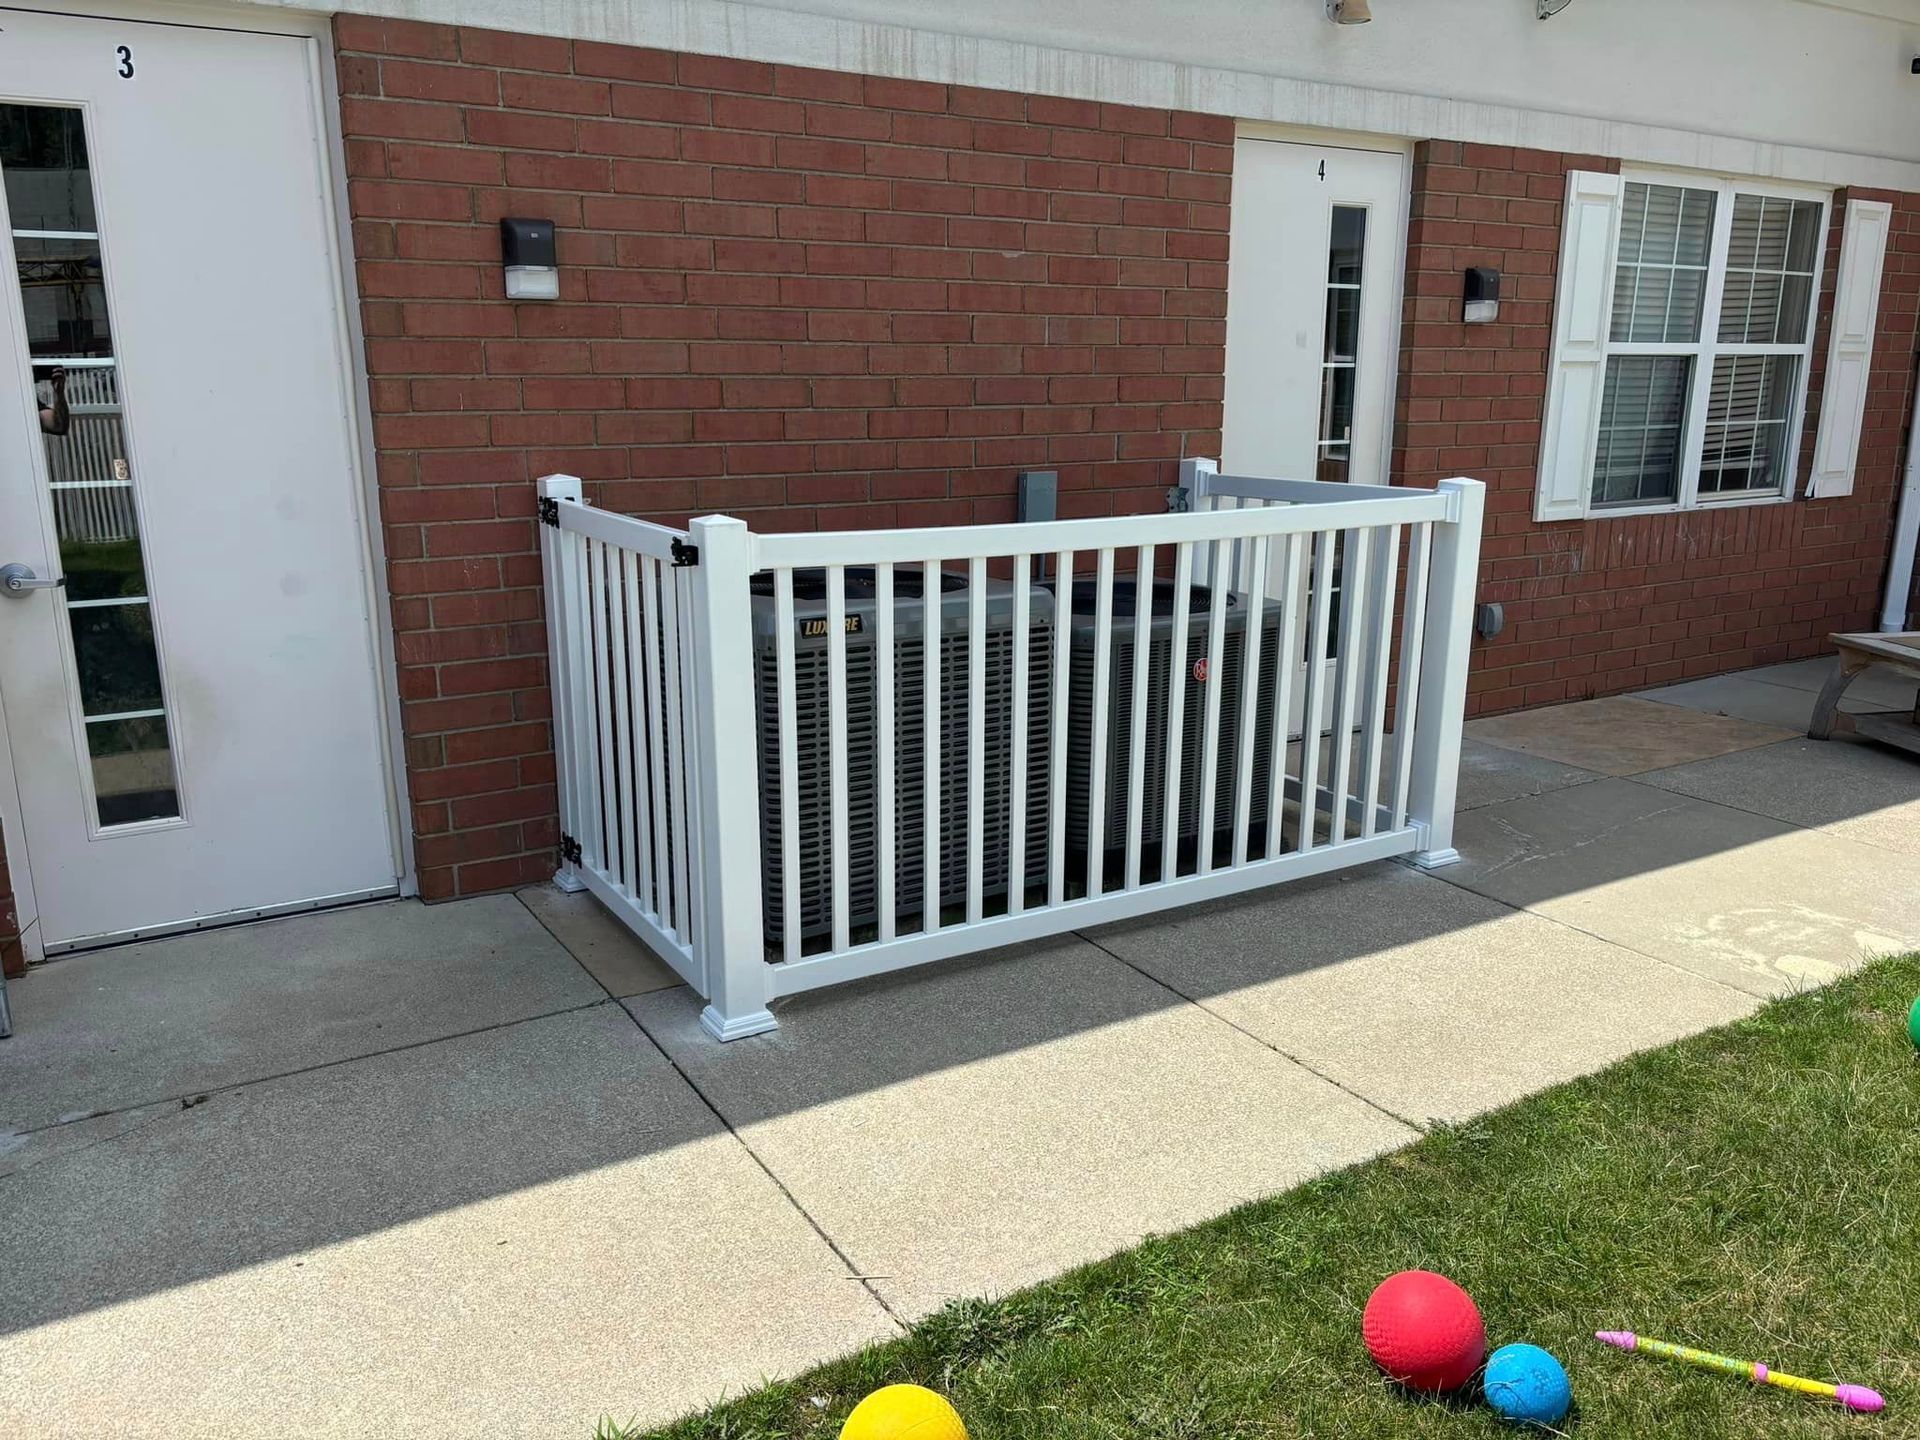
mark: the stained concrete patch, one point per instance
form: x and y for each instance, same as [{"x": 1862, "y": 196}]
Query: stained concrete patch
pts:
[
  {"x": 166, "y": 1018},
  {"x": 1490, "y": 774},
  {"x": 968, "y": 1129},
  {"x": 1855, "y": 789},
  {"x": 611, "y": 953},
  {"x": 1737, "y": 897},
  {"x": 1428, "y": 1000},
  {"x": 506, "y": 1234},
  {"x": 1621, "y": 735}
]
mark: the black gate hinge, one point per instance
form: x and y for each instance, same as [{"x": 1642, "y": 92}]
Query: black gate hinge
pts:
[
  {"x": 569, "y": 850},
  {"x": 549, "y": 511},
  {"x": 685, "y": 554}
]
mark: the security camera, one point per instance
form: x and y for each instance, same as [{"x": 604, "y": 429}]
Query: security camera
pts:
[{"x": 1349, "y": 12}]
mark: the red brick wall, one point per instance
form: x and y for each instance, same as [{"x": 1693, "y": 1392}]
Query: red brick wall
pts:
[
  {"x": 810, "y": 298},
  {"x": 1600, "y": 606}
]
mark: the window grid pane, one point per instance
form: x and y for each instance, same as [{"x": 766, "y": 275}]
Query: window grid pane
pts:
[
  {"x": 1642, "y": 421},
  {"x": 1770, "y": 259},
  {"x": 1749, "y": 406},
  {"x": 1660, "y": 282}
]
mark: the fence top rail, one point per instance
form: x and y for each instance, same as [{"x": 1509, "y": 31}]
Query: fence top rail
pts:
[
  {"x": 1298, "y": 492},
  {"x": 662, "y": 542},
  {"x": 963, "y": 542}
]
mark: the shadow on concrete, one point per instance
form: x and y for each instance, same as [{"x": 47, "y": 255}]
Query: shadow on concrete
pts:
[{"x": 469, "y": 1086}]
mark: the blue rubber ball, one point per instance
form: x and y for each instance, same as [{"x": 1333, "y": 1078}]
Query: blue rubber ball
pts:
[{"x": 1527, "y": 1385}]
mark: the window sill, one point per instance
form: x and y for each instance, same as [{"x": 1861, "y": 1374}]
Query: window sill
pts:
[{"x": 1731, "y": 502}]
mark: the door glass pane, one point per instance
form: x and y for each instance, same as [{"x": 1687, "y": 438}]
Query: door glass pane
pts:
[
  {"x": 47, "y": 181},
  {"x": 1339, "y": 372},
  {"x": 120, "y": 695},
  {"x": 1642, "y": 419},
  {"x": 1749, "y": 402}
]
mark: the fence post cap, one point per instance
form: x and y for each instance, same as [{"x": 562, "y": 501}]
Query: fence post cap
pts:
[{"x": 558, "y": 487}]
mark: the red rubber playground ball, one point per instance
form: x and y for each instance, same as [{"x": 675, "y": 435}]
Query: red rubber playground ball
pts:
[{"x": 1424, "y": 1331}]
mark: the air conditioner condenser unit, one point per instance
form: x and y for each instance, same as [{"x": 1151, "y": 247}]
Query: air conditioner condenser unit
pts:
[{"x": 812, "y": 734}]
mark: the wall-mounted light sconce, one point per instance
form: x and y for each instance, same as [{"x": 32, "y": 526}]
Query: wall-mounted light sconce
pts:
[
  {"x": 1349, "y": 12},
  {"x": 527, "y": 250},
  {"x": 1483, "y": 296}
]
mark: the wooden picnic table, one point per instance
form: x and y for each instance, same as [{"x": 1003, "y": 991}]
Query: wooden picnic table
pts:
[{"x": 1899, "y": 652}]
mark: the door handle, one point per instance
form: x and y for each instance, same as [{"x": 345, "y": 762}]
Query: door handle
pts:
[{"x": 18, "y": 579}]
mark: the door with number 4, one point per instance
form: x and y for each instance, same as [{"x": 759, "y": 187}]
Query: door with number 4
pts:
[
  {"x": 1313, "y": 323},
  {"x": 188, "y": 674}
]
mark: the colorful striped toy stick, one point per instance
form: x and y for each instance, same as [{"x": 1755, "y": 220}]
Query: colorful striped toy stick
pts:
[{"x": 1854, "y": 1397}]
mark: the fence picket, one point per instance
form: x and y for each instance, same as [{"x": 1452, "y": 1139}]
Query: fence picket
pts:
[
  {"x": 1349, "y": 667},
  {"x": 1057, "y": 751},
  {"x": 789, "y": 765},
  {"x": 1176, "y": 710},
  {"x": 1137, "y": 742},
  {"x": 1318, "y": 604},
  {"x": 1097, "y": 745},
  {"x": 837, "y": 752},
  {"x": 1017, "y": 746},
  {"x": 1379, "y": 639},
  {"x": 884, "y": 801},
  {"x": 1256, "y": 600},
  {"x": 931, "y": 733}
]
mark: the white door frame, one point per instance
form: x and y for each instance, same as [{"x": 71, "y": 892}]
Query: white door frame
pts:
[{"x": 350, "y": 346}]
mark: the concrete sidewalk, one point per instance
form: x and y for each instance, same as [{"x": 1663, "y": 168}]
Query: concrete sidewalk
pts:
[{"x": 474, "y": 1167}]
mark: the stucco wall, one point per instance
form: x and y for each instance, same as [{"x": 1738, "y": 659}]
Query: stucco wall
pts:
[{"x": 1804, "y": 89}]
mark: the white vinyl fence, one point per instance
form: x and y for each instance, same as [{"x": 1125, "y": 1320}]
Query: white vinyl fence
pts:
[{"x": 788, "y": 761}]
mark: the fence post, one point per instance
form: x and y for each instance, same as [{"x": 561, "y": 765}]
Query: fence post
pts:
[
  {"x": 1444, "y": 656},
  {"x": 729, "y": 797},
  {"x": 1196, "y": 480},
  {"x": 560, "y": 564}
]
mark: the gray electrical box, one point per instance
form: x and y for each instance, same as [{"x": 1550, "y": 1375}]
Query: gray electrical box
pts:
[{"x": 1039, "y": 495}]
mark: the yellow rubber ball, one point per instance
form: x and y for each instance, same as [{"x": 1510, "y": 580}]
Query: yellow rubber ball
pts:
[{"x": 903, "y": 1412}]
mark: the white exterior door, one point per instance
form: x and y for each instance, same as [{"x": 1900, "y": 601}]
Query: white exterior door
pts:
[
  {"x": 193, "y": 715},
  {"x": 1313, "y": 298}
]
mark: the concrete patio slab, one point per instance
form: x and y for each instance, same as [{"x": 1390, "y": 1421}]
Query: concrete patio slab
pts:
[
  {"x": 1621, "y": 735},
  {"x": 1877, "y": 688},
  {"x": 1430, "y": 1001},
  {"x": 611, "y": 953},
  {"x": 1855, "y": 789},
  {"x": 1780, "y": 706},
  {"x": 968, "y": 1129},
  {"x": 1492, "y": 773},
  {"x": 1734, "y": 896},
  {"x": 505, "y": 1234},
  {"x": 173, "y": 1017}
]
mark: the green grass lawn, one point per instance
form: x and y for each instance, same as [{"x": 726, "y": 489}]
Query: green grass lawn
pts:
[{"x": 1754, "y": 1190}]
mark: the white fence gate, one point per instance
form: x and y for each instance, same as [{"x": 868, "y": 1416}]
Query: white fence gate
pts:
[{"x": 788, "y": 761}]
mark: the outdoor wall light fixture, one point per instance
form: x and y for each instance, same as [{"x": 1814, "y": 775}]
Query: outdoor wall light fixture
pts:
[
  {"x": 1483, "y": 296},
  {"x": 527, "y": 250},
  {"x": 1349, "y": 12}
]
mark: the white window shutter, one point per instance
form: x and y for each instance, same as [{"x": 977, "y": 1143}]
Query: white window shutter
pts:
[
  {"x": 1582, "y": 314},
  {"x": 1843, "y": 400}
]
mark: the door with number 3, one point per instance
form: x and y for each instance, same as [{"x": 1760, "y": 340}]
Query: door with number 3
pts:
[
  {"x": 1313, "y": 300},
  {"x": 188, "y": 672}
]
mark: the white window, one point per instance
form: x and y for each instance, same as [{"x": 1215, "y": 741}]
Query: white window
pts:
[{"x": 1683, "y": 338}]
